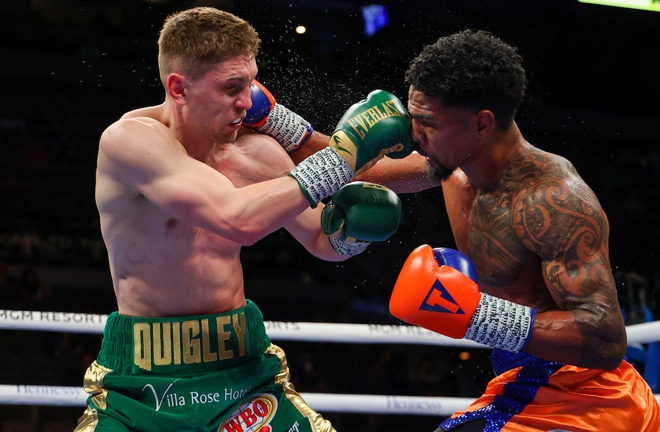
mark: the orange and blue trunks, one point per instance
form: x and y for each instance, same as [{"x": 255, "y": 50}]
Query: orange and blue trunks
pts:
[{"x": 530, "y": 394}]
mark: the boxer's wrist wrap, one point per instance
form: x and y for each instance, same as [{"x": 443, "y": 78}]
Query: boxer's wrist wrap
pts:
[
  {"x": 500, "y": 323},
  {"x": 287, "y": 127},
  {"x": 348, "y": 249},
  {"x": 322, "y": 174}
]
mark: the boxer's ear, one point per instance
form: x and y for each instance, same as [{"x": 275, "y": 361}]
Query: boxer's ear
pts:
[{"x": 175, "y": 86}]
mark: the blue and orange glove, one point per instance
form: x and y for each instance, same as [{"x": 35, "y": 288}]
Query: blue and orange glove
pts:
[
  {"x": 437, "y": 289},
  {"x": 270, "y": 118}
]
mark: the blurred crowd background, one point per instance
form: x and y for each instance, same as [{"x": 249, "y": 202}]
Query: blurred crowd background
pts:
[{"x": 72, "y": 67}]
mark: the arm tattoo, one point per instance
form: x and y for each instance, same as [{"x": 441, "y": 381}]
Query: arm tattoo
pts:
[{"x": 558, "y": 218}]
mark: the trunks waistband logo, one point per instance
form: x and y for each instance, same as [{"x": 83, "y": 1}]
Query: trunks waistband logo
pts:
[
  {"x": 254, "y": 415},
  {"x": 194, "y": 341}
]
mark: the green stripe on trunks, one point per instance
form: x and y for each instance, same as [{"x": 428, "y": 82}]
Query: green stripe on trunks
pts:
[{"x": 181, "y": 345}]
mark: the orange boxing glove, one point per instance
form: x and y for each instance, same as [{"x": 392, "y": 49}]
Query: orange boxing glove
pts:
[
  {"x": 435, "y": 295},
  {"x": 437, "y": 289}
]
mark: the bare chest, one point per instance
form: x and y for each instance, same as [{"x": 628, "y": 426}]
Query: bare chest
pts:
[
  {"x": 168, "y": 235},
  {"x": 494, "y": 243}
]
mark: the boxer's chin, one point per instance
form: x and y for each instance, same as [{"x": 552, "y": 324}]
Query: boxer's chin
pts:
[{"x": 439, "y": 172}]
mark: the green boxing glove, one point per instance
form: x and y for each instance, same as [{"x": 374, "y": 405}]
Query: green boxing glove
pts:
[
  {"x": 376, "y": 126},
  {"x": 359, "y": 213}
]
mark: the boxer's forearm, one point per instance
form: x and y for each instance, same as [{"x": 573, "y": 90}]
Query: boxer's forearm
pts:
[
  {"x": 408, "y": 175},
  {"x": 317, "y": 141}
]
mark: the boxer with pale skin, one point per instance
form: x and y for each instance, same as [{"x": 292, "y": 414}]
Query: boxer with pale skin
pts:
[{"x": 181, "y": 187}]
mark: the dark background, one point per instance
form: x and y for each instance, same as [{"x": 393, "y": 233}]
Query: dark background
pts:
[{"x": 69, "y": 68}]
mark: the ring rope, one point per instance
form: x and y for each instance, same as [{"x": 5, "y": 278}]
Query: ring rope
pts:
[
  {"x": 286, "y": 330},
  {"x": 366, "y": 404},
  {"x": 277, "y": 330},
  {"x": 351, "y": 403}
]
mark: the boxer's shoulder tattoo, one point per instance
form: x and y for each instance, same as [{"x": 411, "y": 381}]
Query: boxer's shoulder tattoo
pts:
[
  {"x": 499, "y": 240},
  {"x": 558, "y": 217}
]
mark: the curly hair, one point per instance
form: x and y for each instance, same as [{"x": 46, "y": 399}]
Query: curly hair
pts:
[
  {"x": 471, "y": 69},
  {"x": 194, "y": 40}
]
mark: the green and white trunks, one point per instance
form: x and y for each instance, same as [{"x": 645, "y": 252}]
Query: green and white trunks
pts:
[{"x": 196, "y": 373}]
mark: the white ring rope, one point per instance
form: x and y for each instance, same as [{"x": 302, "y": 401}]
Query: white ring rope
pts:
[
  {"x": 286, "y": 330},
  {"x": 366, "y": 404},
  {"x": 277, "y": 330}
]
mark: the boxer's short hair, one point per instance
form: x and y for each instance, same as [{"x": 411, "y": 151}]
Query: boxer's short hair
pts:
[{"x": 192, "y": 41}]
